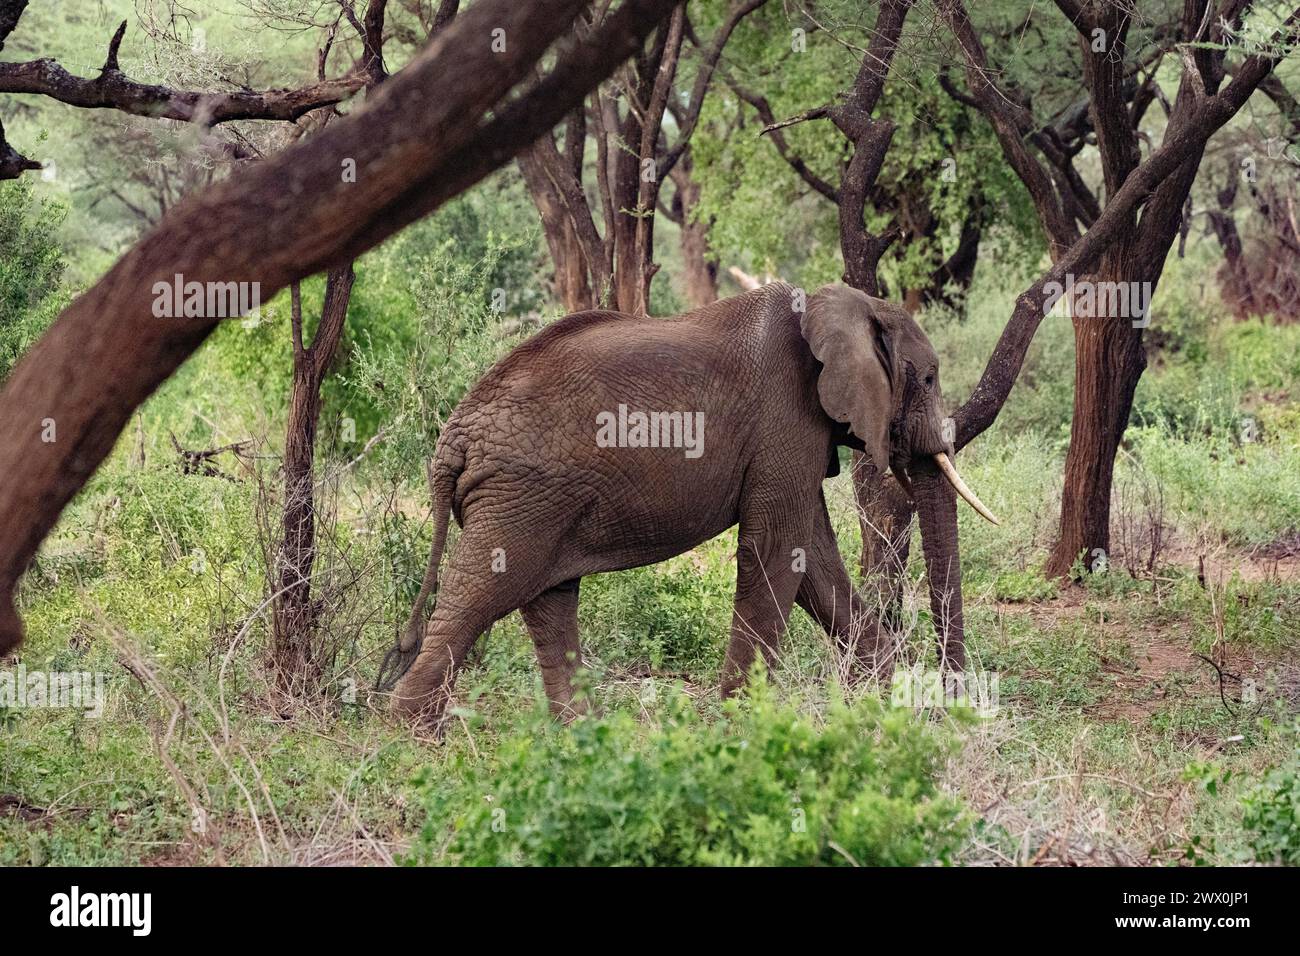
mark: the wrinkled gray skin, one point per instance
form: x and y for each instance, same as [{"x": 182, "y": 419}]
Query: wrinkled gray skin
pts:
[{"x": 519, "y": 466}]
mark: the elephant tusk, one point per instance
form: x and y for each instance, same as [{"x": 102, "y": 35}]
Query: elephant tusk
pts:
[{"x": 959, "y": 486}]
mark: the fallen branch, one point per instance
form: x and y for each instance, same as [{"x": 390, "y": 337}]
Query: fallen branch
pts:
[{"x": 200, "y": 462}]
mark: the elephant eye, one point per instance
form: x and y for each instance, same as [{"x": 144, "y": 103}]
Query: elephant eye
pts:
[{"x": 929, "y": 380}]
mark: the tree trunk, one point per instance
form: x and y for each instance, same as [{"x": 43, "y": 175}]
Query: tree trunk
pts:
[
  {"x": 1234, "y": 276},
  {"x": 297, "y": 655},
  {"x": 1109, "y": 358},
  {"x": 700, "y": 271},
  {"x": 572, "y": 278}
]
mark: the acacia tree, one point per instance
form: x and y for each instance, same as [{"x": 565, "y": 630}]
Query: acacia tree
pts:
[
  {"x": 1109, "y": 352},
  {"x": 614, "y": 267},
  {"x": 446, "y": 121},
  {"x": 296, "y": 654},
  {"x": 293, "y": 653},
  {"x": 1260, "y": 274}
]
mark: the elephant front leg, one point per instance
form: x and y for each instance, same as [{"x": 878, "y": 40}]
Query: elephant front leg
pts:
[
  {"x": 830, "y": 599},
  {"x": 766, "y": 583},
  {"x": 552, "y": 621}
]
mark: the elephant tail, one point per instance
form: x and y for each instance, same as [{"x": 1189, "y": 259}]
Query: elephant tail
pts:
[{"x": 401, "y": 656}]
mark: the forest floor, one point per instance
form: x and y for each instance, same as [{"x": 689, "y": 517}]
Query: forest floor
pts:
[
  {"x": 1122, "y": 713},
  {"x": 1116, "y": 741}
]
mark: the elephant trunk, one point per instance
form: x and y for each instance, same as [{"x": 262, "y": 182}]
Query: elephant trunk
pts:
[{"x": 936, "y": 508}]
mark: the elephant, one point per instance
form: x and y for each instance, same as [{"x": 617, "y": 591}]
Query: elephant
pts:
[{"x": 609, "y": 441}]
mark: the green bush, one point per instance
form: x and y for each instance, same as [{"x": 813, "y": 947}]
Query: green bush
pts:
[
  {"x": 1027, "y": 585},
  {"x": 1271, "y": 814},
  {"x": 764, "y": 785},
  {"x": 31, "y": 269},
  {"x": 671, "y": 616}
]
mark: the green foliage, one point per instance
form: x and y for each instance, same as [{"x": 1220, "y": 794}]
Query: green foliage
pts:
[
  {"x": 671, "y": 616},
  {"x": 1271, "y": 813},
  {"x": 413, "y": 386},
  {"x": 31, "y": 268},
  {"x": 766, "y": 785},
  {"x": 1270, "y": 810},
  {"x": 945, "y": 164},
  {"x": 1026, "y": 585}
]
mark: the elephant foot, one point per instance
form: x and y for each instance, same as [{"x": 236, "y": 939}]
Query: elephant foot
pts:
[
  {"x": 425, "y": 710},
  {"x": 732, "y": 686},
  {"x": 567, "y": 711}
]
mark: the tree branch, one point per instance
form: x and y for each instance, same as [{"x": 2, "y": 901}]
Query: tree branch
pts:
[
  {"x": 11, "y": 12},
  {"x": 13, "y": 163},
  {"x": 702, "y": 80},
  {"x": 114, "y": 90},
  {"x": 419, "y": 140},
  {"x": 982, "y": 409},
  {"x": 373, "y": 35},
  {"x": 110, "y": 62},
  {"x": 772, "y": 130}
]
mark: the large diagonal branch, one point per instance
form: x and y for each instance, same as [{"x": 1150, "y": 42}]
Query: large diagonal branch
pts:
[
  {"x": 1212, "y": 112},
  {"x": 703, "y": 77},
  {"x": 419, "y": 140},
  {"x": 113, "y": 89}
]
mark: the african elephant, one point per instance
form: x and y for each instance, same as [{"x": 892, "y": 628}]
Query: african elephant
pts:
[{"x": 609, "y": 441}]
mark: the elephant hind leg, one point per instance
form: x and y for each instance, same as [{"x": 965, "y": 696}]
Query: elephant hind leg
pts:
[
  {"x": 483, "y": 584},
  {"x": 552, "y": 621}
]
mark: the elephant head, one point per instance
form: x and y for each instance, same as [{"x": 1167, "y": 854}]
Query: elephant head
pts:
[{"x": 879, "y": 377}]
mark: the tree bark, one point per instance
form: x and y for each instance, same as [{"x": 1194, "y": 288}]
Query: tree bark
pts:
[
  {"x": 699, "y": 267},
  {"x": 1109, "y": 358},
  {"x": 296, "y": 654},
  {"x": 572, "y": 278},
  {"x": 426, "y": 135},
  {"x": 1238, "y": 287}
]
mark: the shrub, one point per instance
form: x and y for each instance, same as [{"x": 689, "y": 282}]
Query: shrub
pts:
[
  {"x": 31, "y": 269},
  {"x": 764, "y": 785},
  {"x": 1271, "y": 814}
]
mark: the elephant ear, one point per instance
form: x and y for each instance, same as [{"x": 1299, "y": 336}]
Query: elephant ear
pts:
[{"x": 846, "y": 331}]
